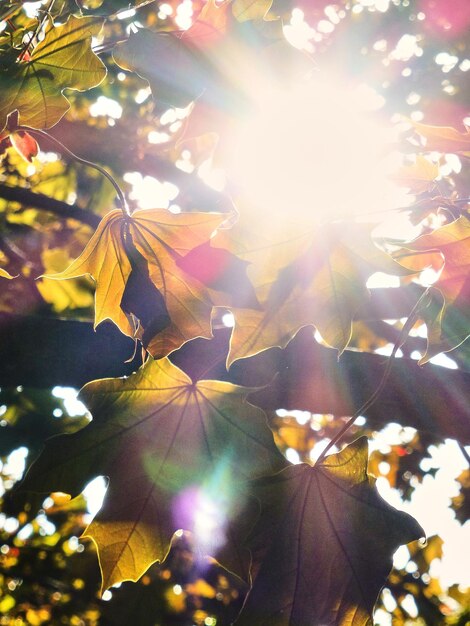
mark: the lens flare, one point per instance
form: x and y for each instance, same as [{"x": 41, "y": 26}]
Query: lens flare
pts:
[
  {"x": 206, "y": 509},
  {"x": 316, "y": 151}
]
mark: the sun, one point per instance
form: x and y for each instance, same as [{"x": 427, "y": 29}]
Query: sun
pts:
[{"x": 315, "y": 151}]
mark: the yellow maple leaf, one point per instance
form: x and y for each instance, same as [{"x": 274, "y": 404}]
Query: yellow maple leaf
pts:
[
  {"x": 316, "y": 278},
  {"x": 128, "y": 254}
]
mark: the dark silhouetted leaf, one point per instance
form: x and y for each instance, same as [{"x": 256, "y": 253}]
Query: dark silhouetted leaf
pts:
[
  {"x": 323, "y": 546},
  {"x": 140, "y": 297}
]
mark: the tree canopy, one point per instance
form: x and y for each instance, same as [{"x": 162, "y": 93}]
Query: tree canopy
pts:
[{"x": 241, "y": 227}]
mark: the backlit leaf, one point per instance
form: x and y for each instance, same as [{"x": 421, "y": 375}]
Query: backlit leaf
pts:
[
  {"x": 321, "y": 283},
  {"x": 131, "y": 258},
  {"x": 210, "y": 26},
  {"x": 448, "y": 322},
  {"x": 174, "y": 452},
  {"x": 245, "y": 10},
  {"x": 443, "y": 138},
  {"x": 323, "y": 545},
  {"x": 418, "y": 176},
  {"x": 62, "y": 60}
]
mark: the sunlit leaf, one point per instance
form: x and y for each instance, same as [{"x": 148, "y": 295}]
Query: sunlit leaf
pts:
[
  {"x": 131, "y": 258},
  {"x": 323, "y": 546},
  {"x": 448, "y": 318},
  {"x": 322, "y": 283},
  {"x": 443, "y": 138},
  {"x": 62, "y": 60},
  {"x": 245, "y": 10},
  {"x": 174, "y": 452},
  {"x": 210, "y": 26},
  {"x": 418, "y": 176}
]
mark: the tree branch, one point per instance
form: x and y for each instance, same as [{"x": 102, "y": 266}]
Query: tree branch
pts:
[
  {"x": 43, "y": 352},
  {"x": 41, "y": 201}
]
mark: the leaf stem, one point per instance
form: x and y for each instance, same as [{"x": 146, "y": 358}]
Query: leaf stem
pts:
[
  {"x": 42, "y": 133},
  {"x": 373, "y": 398}
]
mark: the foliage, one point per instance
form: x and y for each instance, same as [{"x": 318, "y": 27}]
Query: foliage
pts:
[{"x": 207, "y": 511}]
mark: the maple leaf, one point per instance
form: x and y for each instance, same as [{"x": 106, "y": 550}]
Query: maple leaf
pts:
[
  {"x": 418, "y": 176},
  {"x": 166, "y": 59},
  {"x": 174, "y": 452},
  {"x": 62, "y": 60},
  {"x": 443, "y": 138},
  {"x": 165, "y": 62},
  {"x": 316, "y": 278},
  {"x": 134, "y": 261},
  {"x": 448, "y": 316},
  {"x": 323, "y": 545},
  {"x": 210, "y": 25},
  {"x": 245, "y": 10}
]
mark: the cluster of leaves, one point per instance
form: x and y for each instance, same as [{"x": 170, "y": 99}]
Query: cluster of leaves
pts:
[{"x": 311, "y": 544}]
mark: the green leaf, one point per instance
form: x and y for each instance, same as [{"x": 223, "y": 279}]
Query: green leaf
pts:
[
  {"x": 62, "y": 60},
  {"x": 323, "y": 545},
  {"x": 174, "y": 453}
]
